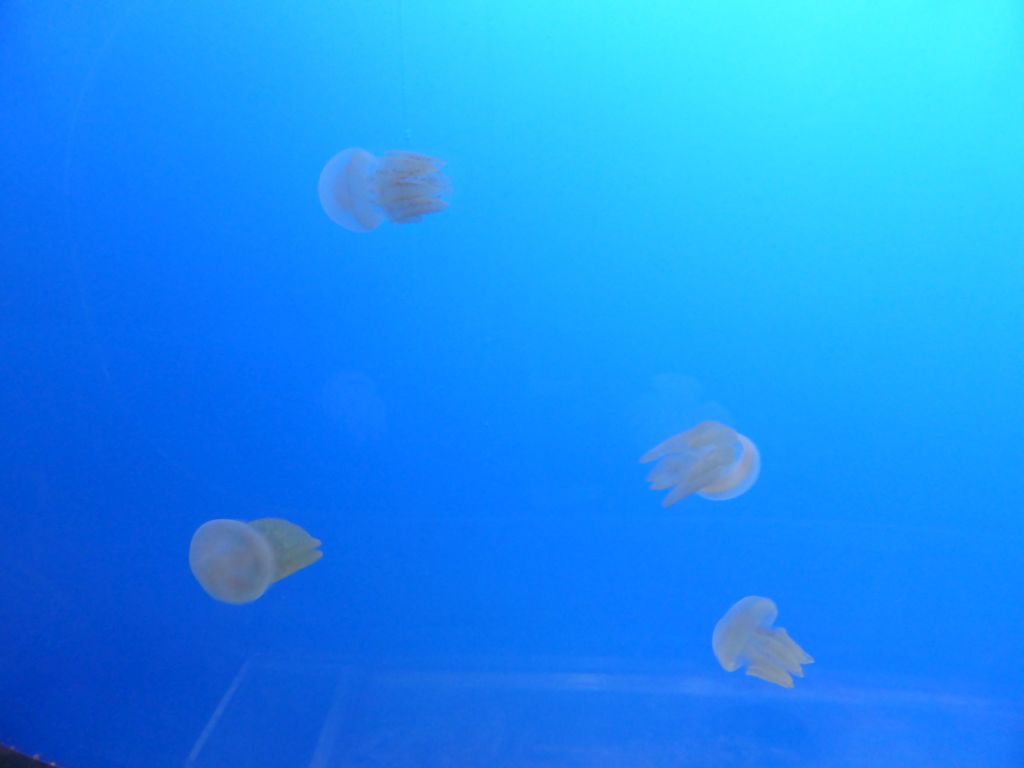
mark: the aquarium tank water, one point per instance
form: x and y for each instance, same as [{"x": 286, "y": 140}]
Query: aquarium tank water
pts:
[{"x": 562, "y": 383}]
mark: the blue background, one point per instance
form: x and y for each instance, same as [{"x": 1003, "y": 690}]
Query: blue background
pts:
[{"x": 808, "y": 212}]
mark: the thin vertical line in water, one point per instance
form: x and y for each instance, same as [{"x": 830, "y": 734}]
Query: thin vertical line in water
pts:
[
  {"x": 89, "y": 316},
  {"x": 400, "y": 12},
  {"x": 91, "y": 325},
  {"x": 90, "y": 79},
  {"x": 88, "y": 84}
]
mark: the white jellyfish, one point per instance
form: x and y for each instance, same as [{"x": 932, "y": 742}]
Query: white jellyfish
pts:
[
  {"x": 359, "y": 191},
  {"x": 711, "y": 460},
  {"x": 236, "y": 562},
  {"x": 745, "y": 637}
]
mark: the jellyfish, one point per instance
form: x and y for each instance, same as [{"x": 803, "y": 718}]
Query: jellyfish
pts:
[
  {"x": 351, "y": 399},
  {"x": 358, "y": 191},
  {"x": 711, "y": 460},
  {"x": 744, "y": 637},
  {"x": 236, "y": 562}
]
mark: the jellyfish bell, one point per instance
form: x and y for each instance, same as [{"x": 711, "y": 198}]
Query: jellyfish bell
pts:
[
  {"x": 739, "y": 477},
  {"x": 236, "y": 562},
  {"x": 734, "y": 628},
  {"x": 360, "y": 191},
  {"x": 344, "y": 190}
]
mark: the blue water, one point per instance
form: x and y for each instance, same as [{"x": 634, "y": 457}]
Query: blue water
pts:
[{"x": 804, "y": 215}]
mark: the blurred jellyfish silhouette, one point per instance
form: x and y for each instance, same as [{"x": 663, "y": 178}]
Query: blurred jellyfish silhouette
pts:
[
  {"x": 744, "y": 637},
  {"x": 359, "y": 191},
  {"x": 672, "y": 399},
  {"x": 351, "y": 400},
  {"x": 236, "y": 562},
  {"x": 711, "y": 460}
]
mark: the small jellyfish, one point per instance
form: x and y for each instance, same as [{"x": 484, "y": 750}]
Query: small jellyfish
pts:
[
  {"x": 235, "y": 562},
  {"x": 351, "y": 400},
  {"x": 744, "y": 637},
  {"x": 711, "y": 460},
  {"x": 358, "y": 191}
]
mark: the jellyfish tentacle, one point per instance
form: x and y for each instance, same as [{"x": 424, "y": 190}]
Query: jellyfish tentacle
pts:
[{"x": 293, "y": 548}]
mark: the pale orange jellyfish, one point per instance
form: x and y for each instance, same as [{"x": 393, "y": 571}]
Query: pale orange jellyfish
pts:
[
  {"x": 236, "y": 562},
  {"x": 711, "y": 460},
  {"x": 745, "y": 637},
  {"x": 359, "y": 191}
]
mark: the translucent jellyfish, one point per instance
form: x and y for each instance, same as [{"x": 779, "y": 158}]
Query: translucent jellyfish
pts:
[
  {"x": 235, "y": 562},
  {"x": 358, "y": 191},
  {"x": 351, "y": 399},
  {"x": 711, "y": 460},
  {"x": 744, "y": 637}
]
